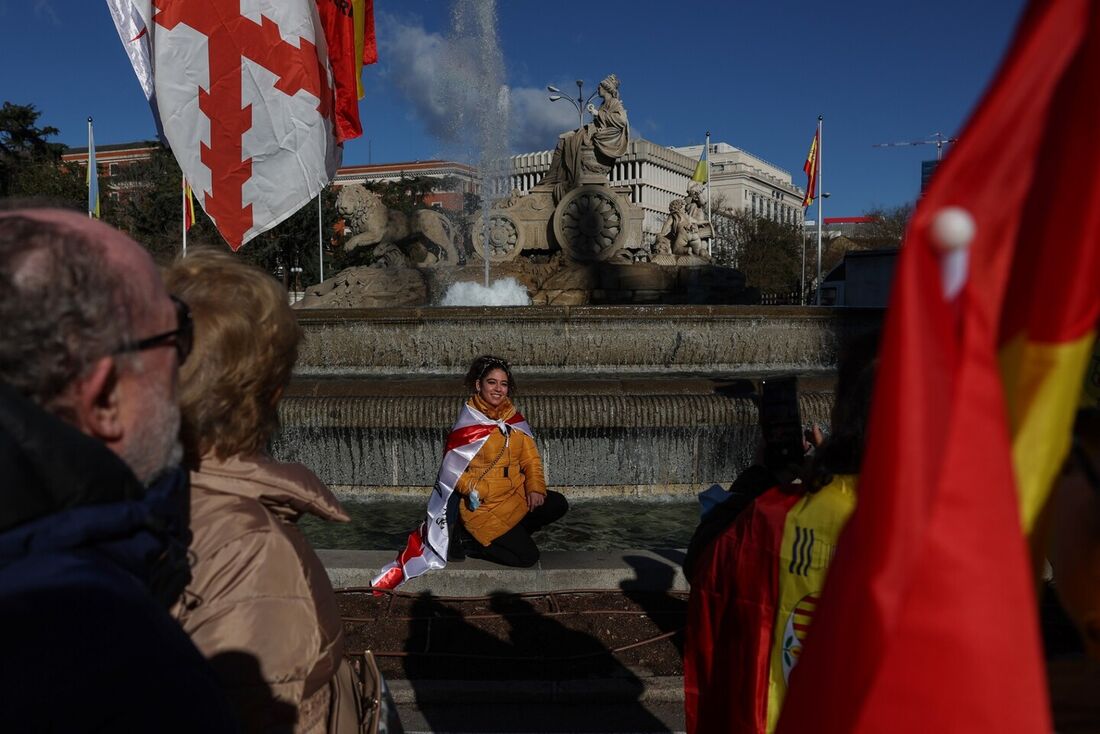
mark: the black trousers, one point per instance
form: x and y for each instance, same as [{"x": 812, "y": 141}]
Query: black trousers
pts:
[{"x": 515, "y": 547}]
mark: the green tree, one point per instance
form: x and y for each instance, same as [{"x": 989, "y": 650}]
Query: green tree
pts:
[
  {"x": 888, "y": 226},
  {"x": 30, "y": 165},
  {"x": 407, "y": 194},
  {"x": 293, "y": 244},
  {"x": 766, "y": 251}
]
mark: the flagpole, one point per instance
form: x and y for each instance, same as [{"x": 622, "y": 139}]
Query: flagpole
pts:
[
  {"x": 802, "y": 241},
  {"x": 820, "y": 198},
  {"x": 320, "y": 242},
  {"x": 91, "y": 162},
  {"x": 183, "y": 217},
  {"x": 710, "y": 242}
]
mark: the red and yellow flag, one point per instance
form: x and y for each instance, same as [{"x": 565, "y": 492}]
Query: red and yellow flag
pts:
[
  {"x": 188, "y": 206},
  {"x": 349, "y": 33},
  {"x": 753, "y": 598},
  {"x": 930, "y": 606},
  {"x": 810, "y": 167}
]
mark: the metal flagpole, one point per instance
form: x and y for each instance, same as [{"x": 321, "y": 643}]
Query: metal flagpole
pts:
[
  {"x": 820, "y": 198},
  {"x": 320, "y": 243},
  {"x": 183, "y": 217},
  {"x": 710, "y": 242},
  {"x": 91, "y": 162},
  {"x": 802, "y": 241}
]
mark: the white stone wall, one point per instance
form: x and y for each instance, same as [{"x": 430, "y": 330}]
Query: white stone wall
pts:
[{"x": 656, "y": 175}]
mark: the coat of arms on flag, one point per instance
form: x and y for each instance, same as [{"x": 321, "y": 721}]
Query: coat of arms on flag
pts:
[{"x": 245, "y": 97}]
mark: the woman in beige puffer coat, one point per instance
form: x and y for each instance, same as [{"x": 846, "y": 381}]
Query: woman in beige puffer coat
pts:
[{"x": 260, "y": 605}]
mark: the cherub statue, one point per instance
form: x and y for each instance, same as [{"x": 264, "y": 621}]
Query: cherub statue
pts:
[{"x": 680, "y": 233}]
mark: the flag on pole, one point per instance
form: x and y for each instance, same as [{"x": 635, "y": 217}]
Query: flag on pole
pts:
[
  {"x": 929, "y": 609},
  {"x": 810, "y": 167},
  {"x": 249, "y": 106},
  {"x": 700, "y": 174},
  {"x": 366, "y": 44},
  {"x": 92, "y": 178},
  {"x": 188, "y": 206},
  {"x": 349, "y": 32}
]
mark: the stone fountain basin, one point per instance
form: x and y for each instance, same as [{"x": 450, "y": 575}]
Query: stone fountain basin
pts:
[{"x": 625, "y": 401}]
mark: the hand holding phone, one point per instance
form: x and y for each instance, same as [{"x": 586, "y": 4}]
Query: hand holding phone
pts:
[{"x": 781, "y": 423}]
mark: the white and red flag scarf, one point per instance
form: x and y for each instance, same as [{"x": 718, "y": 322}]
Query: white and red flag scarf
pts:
[
  {"x": 243, "y": 93},
  {"x": 426, "y": 547}
]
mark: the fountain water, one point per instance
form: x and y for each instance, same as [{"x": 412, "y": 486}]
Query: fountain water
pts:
[{"x": 477, "y": 93}]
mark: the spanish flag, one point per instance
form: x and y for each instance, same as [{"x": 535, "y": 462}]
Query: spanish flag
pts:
[
  {"x": 754, "y": 596},
  {"x": 349, "y": 33},
  {"x": 930, "y": 608},
  {"x": 700, "y": 174},
  {"x": 810, "y": 167},
  {"x": 188, "y": 206}
]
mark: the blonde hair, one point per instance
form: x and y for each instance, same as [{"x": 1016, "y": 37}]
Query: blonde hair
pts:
[{"x": 246, "y": 343}]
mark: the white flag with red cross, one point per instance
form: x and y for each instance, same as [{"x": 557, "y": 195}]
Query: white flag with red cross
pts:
[{"x": 243, "y": 90}]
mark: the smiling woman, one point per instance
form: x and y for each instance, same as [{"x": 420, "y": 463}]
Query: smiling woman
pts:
[{"x": 501, "y": 497}]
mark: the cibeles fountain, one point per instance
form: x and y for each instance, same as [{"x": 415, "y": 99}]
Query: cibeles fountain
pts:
[
  {"x": 634, "y": 361},
  {"x": 573, "y": 239}
]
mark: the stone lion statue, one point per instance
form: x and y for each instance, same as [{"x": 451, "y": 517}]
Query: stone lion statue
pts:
[{"x": 425, "y": 239}]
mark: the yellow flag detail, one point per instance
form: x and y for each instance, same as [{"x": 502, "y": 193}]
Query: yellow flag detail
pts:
[
  {"x": 1042, "y": 384},
  {"x": 810, "y": 533}
]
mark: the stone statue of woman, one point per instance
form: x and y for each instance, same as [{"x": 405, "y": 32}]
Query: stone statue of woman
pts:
[{"x": 586, "y": 155}]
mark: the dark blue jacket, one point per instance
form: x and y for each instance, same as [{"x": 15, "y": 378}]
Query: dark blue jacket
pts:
[{"x": 89, "y": 563}]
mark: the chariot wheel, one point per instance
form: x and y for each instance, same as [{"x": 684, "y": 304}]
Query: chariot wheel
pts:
[
  {"x": 590, "y": 224},
  {"x": 504, "y": 238}
]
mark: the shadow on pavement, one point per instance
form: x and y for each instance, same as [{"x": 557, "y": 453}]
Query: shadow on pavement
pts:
[
  {"x": 668, "y": 611},
  {"x": 515, "y": 669}
]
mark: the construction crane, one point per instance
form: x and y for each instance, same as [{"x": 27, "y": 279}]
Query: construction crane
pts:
[{"x": 938, "y": 139}]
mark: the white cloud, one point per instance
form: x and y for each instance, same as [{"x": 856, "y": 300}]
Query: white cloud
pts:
[
  {"x": 453, "y": 85},
  {"x": 44, "y": 9}
]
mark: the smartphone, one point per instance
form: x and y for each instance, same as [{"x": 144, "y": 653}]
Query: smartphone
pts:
[{"x": 780, "y": 422}]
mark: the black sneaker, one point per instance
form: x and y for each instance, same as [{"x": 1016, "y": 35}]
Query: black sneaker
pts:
[
  {"x": 459, "y": 543},
  {"x": 455, "y": 551}
]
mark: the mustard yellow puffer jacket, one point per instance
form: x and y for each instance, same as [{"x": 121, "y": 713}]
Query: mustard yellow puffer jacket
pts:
[{"x": 503, "y": 488}]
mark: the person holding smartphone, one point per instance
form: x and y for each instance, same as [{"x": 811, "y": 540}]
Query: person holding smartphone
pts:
[{"x": 758, "y": 570}]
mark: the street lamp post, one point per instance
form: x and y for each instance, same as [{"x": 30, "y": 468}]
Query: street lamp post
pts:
[{"x": 580, "y": 102}]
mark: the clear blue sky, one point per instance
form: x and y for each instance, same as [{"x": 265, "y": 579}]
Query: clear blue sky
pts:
[{"x": 755, "y": 74}]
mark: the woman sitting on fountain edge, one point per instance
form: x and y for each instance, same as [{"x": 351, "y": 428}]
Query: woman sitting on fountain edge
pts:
[{"x": 501, "y": 497}]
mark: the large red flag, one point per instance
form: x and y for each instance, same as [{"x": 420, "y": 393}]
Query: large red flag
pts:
[
  {"x": 349, "y": 33},
  {"x": 927, "y": 622}
]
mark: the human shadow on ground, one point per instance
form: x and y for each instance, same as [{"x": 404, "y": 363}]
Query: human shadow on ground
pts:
[
  {"x": 516, "y": 670},
  {"x": 651, "y": 589}
]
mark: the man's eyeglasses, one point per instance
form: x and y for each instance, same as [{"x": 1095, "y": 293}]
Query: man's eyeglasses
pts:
[{"x": 182, "y": 337}]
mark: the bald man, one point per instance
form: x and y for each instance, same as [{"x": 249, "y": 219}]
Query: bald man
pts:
[{"x": 93, "y": 512}]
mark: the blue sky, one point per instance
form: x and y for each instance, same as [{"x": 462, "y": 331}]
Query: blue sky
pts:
[{"x": 755, "y": 74}]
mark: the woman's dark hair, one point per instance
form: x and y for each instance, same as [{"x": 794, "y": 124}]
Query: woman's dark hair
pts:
[
  {"x": 842, "y": 451},
  {"x": 485, "y": 364}
]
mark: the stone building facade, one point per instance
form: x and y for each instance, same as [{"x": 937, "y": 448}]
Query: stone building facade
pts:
[{"x": 655, "y": 175}]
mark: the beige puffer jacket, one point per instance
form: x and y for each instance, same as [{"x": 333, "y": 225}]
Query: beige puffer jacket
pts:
[{"x": 260, "y": 605}]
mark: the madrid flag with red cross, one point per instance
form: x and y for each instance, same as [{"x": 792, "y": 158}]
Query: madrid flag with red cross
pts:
[{"x": 244, "y": 96}]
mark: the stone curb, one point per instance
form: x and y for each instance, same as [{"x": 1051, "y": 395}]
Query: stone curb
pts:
[
  {"x": 654, "y": 689},
  {"x": 633, "y": 570}
]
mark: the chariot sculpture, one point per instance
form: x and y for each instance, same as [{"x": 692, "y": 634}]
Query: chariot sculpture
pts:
[{"x": 573, "y": 208}]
